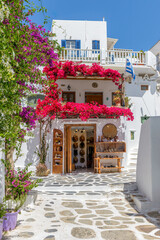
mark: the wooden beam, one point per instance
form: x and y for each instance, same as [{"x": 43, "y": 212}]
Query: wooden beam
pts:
[{"x": 89, "y": 78}]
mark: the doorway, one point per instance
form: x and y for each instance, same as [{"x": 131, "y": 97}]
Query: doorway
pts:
[
  {"x": 94, "y": 97},
  {"x": 79, "y": 140}
]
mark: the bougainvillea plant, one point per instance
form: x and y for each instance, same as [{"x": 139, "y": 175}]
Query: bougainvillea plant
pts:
[
  {"x": 19, "y": 182},
  {"x": 17, "y": 185},
  {"x": 53, "y": 107},
  {"x": 58, "y": 70},
  {"x": 24, "y": 46}
]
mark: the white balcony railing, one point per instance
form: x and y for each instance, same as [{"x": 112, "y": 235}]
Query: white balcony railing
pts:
[
  {"x": 104, "y": 57},
  {"x": 86, "y": 55}
]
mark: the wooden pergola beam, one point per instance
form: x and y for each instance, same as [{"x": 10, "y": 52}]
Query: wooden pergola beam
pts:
[{"x": 88, "y": 78}]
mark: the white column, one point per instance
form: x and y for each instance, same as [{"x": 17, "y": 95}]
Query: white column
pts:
[{"x": 102, "y": 56}]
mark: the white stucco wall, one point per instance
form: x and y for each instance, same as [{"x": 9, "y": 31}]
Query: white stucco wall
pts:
[
  {"x": 86, "y": 31},
  {"x": 28, "y": 148},
  {"x": 150, "y": 59},
  {"x": 148, "y": 164},
  {"x": 144, "y": 103},
  {"x": 82, "y": 86}
]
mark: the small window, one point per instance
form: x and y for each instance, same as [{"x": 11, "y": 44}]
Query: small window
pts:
[
  {"x": 132, "y": 135},
  {"x": 32, "y": 100},
  {"x": 144, "y": 87},
  {"x": 96, "y": 45},
  {"x": 68, "y": 96}
]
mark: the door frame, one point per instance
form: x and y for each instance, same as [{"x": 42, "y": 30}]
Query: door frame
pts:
[
  {"x": 93, "y": 94},
  {"x": 66, "y": 142}
]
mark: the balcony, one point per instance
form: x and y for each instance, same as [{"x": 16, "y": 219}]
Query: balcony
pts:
[{"x": 102, "y": 56}]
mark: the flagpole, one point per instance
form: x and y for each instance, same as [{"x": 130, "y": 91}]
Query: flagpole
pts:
[{"x": 123, "y": 90}]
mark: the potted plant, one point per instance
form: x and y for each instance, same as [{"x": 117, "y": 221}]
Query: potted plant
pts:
[
  {"x": 117, "y": 98},
  {"x": 2, "y": 214},
  {"x": 127, "y": 102},
  {"x": 18, "y": 184}
]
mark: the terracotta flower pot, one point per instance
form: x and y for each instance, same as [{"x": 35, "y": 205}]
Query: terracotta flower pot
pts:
[
  {"x": 1, "y": 228},
  {"x": 10, "y": 221}
]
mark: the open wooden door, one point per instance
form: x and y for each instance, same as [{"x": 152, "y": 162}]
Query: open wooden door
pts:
[{"x": 68, "y": 150}]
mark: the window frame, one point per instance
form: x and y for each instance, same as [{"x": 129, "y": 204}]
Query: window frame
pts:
[
  {"x": 67, "y": 92},
  {"x": 145, "y": 86}
]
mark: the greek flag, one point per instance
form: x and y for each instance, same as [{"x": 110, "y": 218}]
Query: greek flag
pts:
[{"x": 129, "y": 69}]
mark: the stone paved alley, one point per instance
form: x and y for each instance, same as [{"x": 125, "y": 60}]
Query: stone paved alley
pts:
[{"x": 86, "y": 206}]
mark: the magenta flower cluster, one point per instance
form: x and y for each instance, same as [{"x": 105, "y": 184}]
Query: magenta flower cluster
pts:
[
  {"x": 19, "y": 182},
  {"x": 28, "y": 115}
]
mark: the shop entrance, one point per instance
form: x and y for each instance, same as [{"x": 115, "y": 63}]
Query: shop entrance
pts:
[{"x": 79, "y": 142}]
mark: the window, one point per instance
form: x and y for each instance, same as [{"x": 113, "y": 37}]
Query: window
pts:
[
  {"x": 68, "y": 96},
  {"x": 144, "y": 87},
  {"x": 96, "y": 45},
  {"x": 132, "y": 134},
  {"x": 113, "y": 95},
  {"x": 32, "y": 100},
  {"x": 72, "y": 44}
]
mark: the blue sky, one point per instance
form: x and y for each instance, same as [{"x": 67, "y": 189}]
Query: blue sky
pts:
[{"x": 136, "y": 23}]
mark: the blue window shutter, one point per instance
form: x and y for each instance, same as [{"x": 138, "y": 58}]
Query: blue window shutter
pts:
[
  {"x": 93, "y": 44},
  {"x": 98, "y": 44},
  {"x": 78, "y": 44},
  {"x": 63, "y": 43}
]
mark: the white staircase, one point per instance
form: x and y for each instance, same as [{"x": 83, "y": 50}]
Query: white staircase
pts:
[{"x": 133, "y": 159}]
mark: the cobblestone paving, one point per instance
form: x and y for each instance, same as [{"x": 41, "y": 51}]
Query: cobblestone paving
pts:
[{"x": 100, "y": 207}]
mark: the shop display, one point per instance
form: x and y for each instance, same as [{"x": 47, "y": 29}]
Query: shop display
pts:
[
  {"x": 57, "y": 151},
  {"x": 82, "y": 145},
  {"x": 75, "y": 152},
  {"x": 108, "y": 147},
  {"x": 75, "y": 145},
  {"x": 82, "y": 138},
  {"x": 75, "y": 159},
  {"x": 81, "y": 152},
  {"x": 75, "y": 138},
  {"x": 82, "y": 160}
]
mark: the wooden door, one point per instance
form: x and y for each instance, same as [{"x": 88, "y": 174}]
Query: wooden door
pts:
[
  {"x": 68, "y": 150},
  {"x": 94, "y": 97}
]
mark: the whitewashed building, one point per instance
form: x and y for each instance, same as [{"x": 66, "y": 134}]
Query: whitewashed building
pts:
[{"x": 88, "y": 42}]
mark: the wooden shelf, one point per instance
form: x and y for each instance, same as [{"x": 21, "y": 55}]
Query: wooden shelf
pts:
[
  {"x": 57, "y": 168},
  {"x": 110, "y": 142},
  {"x": 111, "y": 167},
  {"x": 57, "y": 165},
  {"x": 58, "y": 138},
  {"x": 109, "y": 158},
  {"x": 109, "y": 152},
  {"x": 113, "y": 148}
]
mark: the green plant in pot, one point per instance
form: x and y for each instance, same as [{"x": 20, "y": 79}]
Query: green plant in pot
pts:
[
  {"x": 2, "y": 214},
  {"x": 127, "y": 102},
  {"x": 18, "y": 184}
]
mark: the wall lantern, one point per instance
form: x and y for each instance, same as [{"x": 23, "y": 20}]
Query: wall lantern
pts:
[{"x": 69, "y": 87}]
